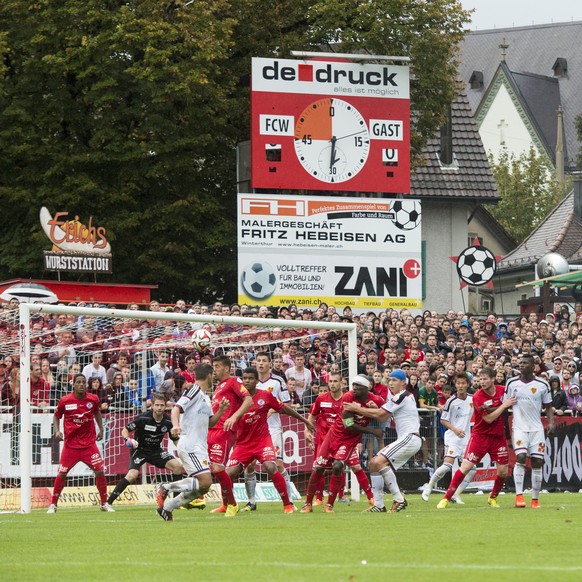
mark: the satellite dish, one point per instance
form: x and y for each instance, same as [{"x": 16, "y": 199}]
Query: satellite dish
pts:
[{"x": 552, "y": 264}]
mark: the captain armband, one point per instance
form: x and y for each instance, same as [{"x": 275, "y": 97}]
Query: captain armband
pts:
[{"x": 348, "y": 422}]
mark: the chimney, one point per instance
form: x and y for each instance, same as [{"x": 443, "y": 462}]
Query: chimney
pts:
[{"x": 446, "y": 151}]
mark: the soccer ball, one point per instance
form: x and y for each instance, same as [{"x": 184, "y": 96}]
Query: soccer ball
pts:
[
  {"x": 406, "y": 214},
  {"x": 259, "y": 280},
  {"x": 476, "y": 265},
  {"x": 201, "y": 339}
]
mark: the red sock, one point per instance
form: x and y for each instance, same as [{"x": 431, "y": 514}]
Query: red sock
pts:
[
  {"x": 342, "y": 488},
  {"x": 455, "y": 482},
  {"x": 225, "y": 487},
  {"x": 101, "y": 483},
  {"x": 58, "y": 488},
  {"x": 315, "y": 486},
  {"x": 364, "y": 483},
  {"x": 497, "y": 486},
  {"x": 281, "y": 487},
  {"x": 334, "y": 485}
]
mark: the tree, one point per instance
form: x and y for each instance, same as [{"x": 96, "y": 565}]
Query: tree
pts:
[
  {"x": 130, "y": 110},
  {"x": 529, "y": 191}
]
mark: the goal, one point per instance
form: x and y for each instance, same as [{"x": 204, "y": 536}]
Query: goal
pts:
[{"x": 123, "y": 349}]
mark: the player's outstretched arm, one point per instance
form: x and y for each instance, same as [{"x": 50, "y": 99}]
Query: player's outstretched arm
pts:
[
  {"x": 377, "y": 413},
  {"x": 244, "y": 407},
  {"x": 495, "y": 414},
  {"x": 224, "y": 404},
  {"x": 292, "y": 412}
]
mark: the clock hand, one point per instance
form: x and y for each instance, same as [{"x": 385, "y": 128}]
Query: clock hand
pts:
[
  {"x": 332, "y": 159},
  {"x": 351, "y": 134}
]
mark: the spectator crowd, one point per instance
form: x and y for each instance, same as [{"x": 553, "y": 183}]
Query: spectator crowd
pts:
[{"x": 126, "y": 360}]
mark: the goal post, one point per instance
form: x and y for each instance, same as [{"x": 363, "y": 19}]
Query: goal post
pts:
[{"x": 173, "y": 332}]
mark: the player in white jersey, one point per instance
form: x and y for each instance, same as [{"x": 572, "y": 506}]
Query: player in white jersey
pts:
[
  {"x": 456, "y": 418},
  {"x": 528, "y": 436},
  {"x": 191, "y": 417},
  {"x": 276, "y": 386},
  {"x": 402, "y": 407}
]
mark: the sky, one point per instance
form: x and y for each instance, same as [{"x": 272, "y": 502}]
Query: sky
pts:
[{"x": 509, "y": 13}]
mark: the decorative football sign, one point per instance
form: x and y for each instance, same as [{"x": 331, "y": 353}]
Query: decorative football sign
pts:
[
  {"x": 330, "y": 125},
  {"x": 476, "y": 265}
]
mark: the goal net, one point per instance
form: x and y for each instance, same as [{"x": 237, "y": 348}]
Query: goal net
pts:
[{"x": 126, "y": 356}]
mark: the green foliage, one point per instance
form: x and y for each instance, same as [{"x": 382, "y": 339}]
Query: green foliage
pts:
[
  {"x": 268, "y": 546},
  {"x": 529, "y": 191},
  {"x": 130, "y": 111}
]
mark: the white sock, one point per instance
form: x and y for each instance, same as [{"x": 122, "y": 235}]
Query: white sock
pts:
[
  {"x": 390, "y": 480},
  {"x": 439, "y": 474},
  {"x": 288, "y": 483},
  {"x": 173, "y": 503},
  {"x": 184, "y": 485},
  {"x": 536, "y": 482},
  {"x": 251, "y": 486},
  {"x": 377, "y": 488},
  {"x": 465, "y": 482},
  {"x": 518, "y": 477}
]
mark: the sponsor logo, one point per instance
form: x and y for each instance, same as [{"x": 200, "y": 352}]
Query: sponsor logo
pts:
[
  {"x": 89, "y": 405},
  {"x": 533, "y": 390},
  {"x": 70, "y": 407},
  {"x": 150, "y": 428},
  {"x": 261, "y": 402},
  {"x": 164, "y": 429},
  {"x": 518, "y": 443},
  {"x": 216, "y": 447}
]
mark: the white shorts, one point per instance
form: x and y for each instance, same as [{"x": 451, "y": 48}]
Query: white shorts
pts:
[
  {"x": 401, "y": 450},
  {"x": 533, "y": 443},
  {"x": 454, "y": 446},
  {"x": 277, "y": 438},
  {"x": 195, "y": 461}
]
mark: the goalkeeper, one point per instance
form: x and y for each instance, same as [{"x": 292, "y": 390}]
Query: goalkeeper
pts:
[{"x": 149, "y": 430}]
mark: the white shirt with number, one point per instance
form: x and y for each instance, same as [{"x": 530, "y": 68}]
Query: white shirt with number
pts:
[
  {"x": 278, "y": 388},
  {"x": 404, "y": 411},
  {"x": 196, "y": 411},
  {"x": 458, "y": 412},
  {"x": 531, "y": 397}
]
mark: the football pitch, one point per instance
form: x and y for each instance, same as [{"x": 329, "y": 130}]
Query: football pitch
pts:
[{"x": 469, "y": 542}]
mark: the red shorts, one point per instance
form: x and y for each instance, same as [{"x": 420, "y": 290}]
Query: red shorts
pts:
[
  {"x": 261, "y": 451},
  {"x": 330, "y": 451},
  {"x": 90, "y": 456},
  {"x": 479, "y": 445},
  {"x": 220, "y": 443}
]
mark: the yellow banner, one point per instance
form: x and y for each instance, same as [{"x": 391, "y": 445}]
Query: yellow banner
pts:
[{"x": 337, "y": 302}]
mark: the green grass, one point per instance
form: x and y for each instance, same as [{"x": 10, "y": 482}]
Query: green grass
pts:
[{"x": 470, "y": 542}]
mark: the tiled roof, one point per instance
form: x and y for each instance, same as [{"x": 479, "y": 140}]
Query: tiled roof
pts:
[
  {"x": 560, "y": 232},
  {"x": 470, "y": 176},
  {"x": 531, "y": 49}
]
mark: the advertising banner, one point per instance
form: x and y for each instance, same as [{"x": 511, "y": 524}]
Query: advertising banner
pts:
[
  {"x": 330, "y": 125},
  {"x": 357, "y": 252}
]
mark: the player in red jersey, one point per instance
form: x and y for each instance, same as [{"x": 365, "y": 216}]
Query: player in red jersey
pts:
[
  {"x": 324, "y": 411},
  {"x": 222, "y": 436},
  {"x": 253, "y": 439},
  {"x": 340, "y": 442},
  {"x": 487, "y": 436},
  {"x": 79, "y": 411}
]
